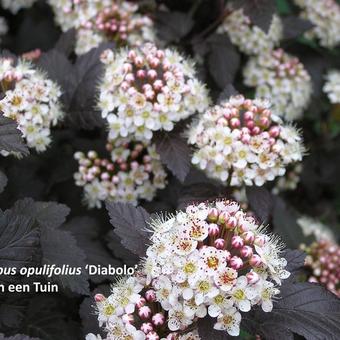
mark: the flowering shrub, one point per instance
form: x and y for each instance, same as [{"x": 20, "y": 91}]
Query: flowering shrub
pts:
[
  {"x": 31, "y": 99},
  {"x": 134, "y": 172},
  {"x": 176, "y": 120},
  {"x": 325, "y": 15},
  {"x": 148, "y": 89},
  {"x": 242, "y": 142},
  {"x": 249, "y": 38},
  {"x": 281, "y": 76}
]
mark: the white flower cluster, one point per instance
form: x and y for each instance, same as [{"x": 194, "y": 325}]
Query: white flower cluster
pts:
[
  {"x": 15, "y": 5},
  {"x": 133, "y": 172},
  {"x": 132, "y": 312},
  {"x": 281, "y": 76},
  {"x": 31, "y": 99},
  {"x": 213, "y": 259},
  {"x": 311, "y": 226},
  {"x": 249, "y": 38},
  {"x": 241, "y": 142},
  {"x": 332, "y": 86},
  {"x": 147, "y": 89},
  {"x": 101, "y": 21},
  {"x": 325, "y": 15}
]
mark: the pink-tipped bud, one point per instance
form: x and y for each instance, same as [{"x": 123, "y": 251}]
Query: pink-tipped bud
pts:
[
  {"x": 223, "y": 217},
  {"x": 146, "y": 327},
  {"x": 144, "y": 312},
  {"x": 248, "y": 237},
  {"x": 260, "y": 240},
  {"x": 256, "y": 130},
  {"x": 213, "y": 215},
  {"x": 150, "y": 295},
  {"x": 213, "y": 229},
  {"x": 152, "y": 74},
  {"x": 158, "y": 319},
  {"x": 236, "y": 262},
  {"x": 219, "y": 243},
  {"x": 264, "y": 121},
  {"x": 274, "y": 131},
  {"x": 152, "y": 336},
  {"x": 141, "y": 74},
  {"x": 231, "y": 223},
  {"x": 246, "y": 251},
  {"x": 139, "y": 61},
  {"x": 250, "y": 124},
  {"x": 252, "y": 277},
  {"x": 141, "y": 302},
  {"x": 237, "y": 242},
  {"x": 99, "y": 298},
  {"x": 235, "y": 122},
  {"x": 248, "y": 115},
  {"x": 255, "y": 261}
]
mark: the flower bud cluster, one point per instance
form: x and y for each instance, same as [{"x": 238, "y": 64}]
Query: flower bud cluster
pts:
[
  {"x": 332, "y": 86},
  {"x": 132, "y": 312},
  {"x": 31, "y": 99},
  {"x": 325, "y": 16},
  {"x": 249, "y": 38},
  {"x": 118, "y": 22},
  {"x": 213, "y": 259},
  {"x": 241, "y": 142},
  {"x": 15, "y": 5},
  {"x": 132, "y": 172},
  {"x": 313, "y": 227},
  {"x": 281, "y": 76},
  {"x": 147, "y": 89},
  {"x": 323, "y": 259}
]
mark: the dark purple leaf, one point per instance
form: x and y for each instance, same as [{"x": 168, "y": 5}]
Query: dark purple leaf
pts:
[
  {"x": 223, "y": 60},
  {"x": 130, "y": 225},
  {"x": 294, "y": 26},
  {"x": 261, "y": 202},
  {"x": 3, "y": 181},
  {"x": 10, "y": 137},
  {"x": 174, "y": 152},
  {"x": 66, "y": 42}
]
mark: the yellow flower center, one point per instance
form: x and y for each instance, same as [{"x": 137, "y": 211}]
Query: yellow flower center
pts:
[
  {"x": 239, "y": 294},
  {"x": 109, "y": 310},
  {"x": 204, "y": 286},
  {"x": 189, "y": 268}
]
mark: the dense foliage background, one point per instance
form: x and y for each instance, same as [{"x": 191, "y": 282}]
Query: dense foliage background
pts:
[{"x": 43, "y": 231}]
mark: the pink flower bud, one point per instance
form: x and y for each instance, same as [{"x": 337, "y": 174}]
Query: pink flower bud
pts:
[
  {"x": 252, "y": 277},
  {"x": 158, "y": 319},
  {"x": 99, "y": 298},
  {"x": 223, "y": 217},
  {"x": 250, "y": 124},
  {"x": 152, "y": 74},
  {"x": 256, "y": 130},
  {"x": 248, "y": 115},
  {"x": 255, "y": 261},
  {"x": 213, "y": 229},
  {"x": 141, "y": 302},
  {"x": 146, "y": 327},
  {"x": 231, "y": 223},
  {"x": 152, "y": 336},
  {"x": 144, "y": 312},
  {"x": 141, "y": 74},
  {"x": 260, "y": 240},
  {"x": 274, "y": 131},
  {"x": 219, "y": 243},
  {"x": 237, "y": 242},
  {"x": 150, "y": 295},
  {"x": 213, "y": 215},
  {"x": 236, "y": 262},
  {"x": 235, "y": 122},
  {"x": 264, "y": 121},
  {"x": 246, "y": 251},
  {"x": 139, "y": 61},
  {"x": 248, "y": 237}
]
